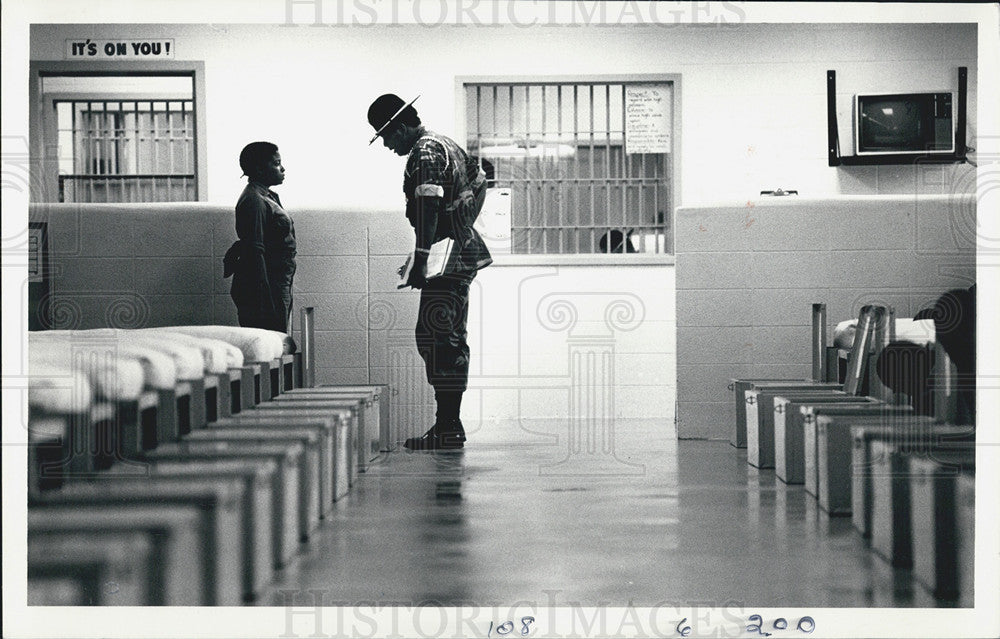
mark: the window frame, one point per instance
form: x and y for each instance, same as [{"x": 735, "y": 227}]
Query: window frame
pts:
[
  {"x": 43, "y": 158},
  {"x": 519, "y": 259}
]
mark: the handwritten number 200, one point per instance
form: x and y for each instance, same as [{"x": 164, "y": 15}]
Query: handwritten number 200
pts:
[{"x": 806, "y": 625}]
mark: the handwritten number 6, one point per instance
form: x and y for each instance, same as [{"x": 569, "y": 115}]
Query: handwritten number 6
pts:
[{"x": 686, "y": 630}]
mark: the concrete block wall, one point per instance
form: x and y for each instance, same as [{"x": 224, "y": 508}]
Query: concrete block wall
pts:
[
  {"x": 133, "y": 266},
  {"x": 748, "y": 273}
]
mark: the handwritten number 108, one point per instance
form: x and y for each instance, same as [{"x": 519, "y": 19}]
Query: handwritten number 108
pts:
[{"x": 507, "y": 627}]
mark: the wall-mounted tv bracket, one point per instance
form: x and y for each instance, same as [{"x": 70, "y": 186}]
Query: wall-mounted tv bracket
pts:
[{"x": 833, "y": 138}]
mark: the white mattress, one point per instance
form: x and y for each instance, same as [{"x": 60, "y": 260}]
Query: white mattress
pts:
[
  {"x": 159, "y": 369},
  {"x": 920, "y": 332},
  {"x": 111, "y": 375},
  {"x": 57, "y": 389},
  {"x": 188, "y": 361},
  {"x": 50, "y": 428},
  {"x": 218, "y": 356},
  {"x": 256, "y": 344},
  {"x": 843, "y": 334},
  {"x": 117, "y": 364}
]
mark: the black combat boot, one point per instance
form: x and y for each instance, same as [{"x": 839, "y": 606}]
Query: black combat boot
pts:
[
  {"x": 446, "y": 436},
  {"x": 447, "y": 433}
]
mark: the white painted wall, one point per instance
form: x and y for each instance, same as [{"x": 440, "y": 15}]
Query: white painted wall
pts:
[
  {"x": 753, "y": 105},
  {"x": 527, "y": 321}
]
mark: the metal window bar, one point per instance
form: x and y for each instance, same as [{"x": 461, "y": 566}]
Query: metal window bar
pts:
[
  {"x": 576, "y": 158},
  {"x": 542, "y": 190},
  {"x": 559, "y": 186},
  {"x": 564, "y": 200},
  {"x": 110, "y": 158},
  {"x": 623, "y": 159},
  {"x": 593, "y": 198},
  {"x": 607, "y": 149}
]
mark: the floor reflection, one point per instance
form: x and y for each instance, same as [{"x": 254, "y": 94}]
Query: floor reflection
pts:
[
  {"x": 697, "y": 526},
  {"x": 441, "y": 533}
]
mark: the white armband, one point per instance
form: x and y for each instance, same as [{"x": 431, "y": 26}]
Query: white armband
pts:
[{"x": 429, "y": 190}]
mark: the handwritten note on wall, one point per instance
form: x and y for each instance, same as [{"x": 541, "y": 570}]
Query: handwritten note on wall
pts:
[{"x": 648, "y": 118}]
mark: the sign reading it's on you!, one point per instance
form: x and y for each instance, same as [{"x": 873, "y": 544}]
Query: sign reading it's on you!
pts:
[
  {"x": 648, "y": 118},
  {"x": 87, "y": 49}
]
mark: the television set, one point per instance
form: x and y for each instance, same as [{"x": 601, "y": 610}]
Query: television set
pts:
[{"x": 899, "y": 123}]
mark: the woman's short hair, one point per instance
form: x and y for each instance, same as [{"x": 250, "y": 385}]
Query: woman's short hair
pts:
[{"x": 255, "y": 155}]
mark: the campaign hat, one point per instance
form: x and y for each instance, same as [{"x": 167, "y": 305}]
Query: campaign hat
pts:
[{"x": 384, "y": 110}]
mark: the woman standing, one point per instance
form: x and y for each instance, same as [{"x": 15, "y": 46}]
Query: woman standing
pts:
[{"x": 262, "y": 261}]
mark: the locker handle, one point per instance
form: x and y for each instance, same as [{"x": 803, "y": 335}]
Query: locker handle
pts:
[
  {"x": 751, "y": 399},
  {"x": 780, "y": 409},
  {"x": 808, "y": 418}
]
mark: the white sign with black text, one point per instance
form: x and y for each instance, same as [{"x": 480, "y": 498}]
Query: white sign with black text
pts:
[
  {"x": 648, "y": 118},
  {"x": 87, "y": 49}
]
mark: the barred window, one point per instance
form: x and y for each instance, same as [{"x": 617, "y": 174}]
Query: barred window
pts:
[
  {"x": 121, "y": 138},
  {"x": 126, "y": 151},
  {"x": 574, "y": 186}
]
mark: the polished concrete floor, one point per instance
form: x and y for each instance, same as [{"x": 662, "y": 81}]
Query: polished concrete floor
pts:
[{"x": 516, "y": 517}]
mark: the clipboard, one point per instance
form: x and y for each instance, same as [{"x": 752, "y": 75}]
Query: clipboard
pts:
[{"x": 437, "y": 261}]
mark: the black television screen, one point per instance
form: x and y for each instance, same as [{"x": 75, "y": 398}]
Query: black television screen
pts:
[{"x": 904, "y": 123}]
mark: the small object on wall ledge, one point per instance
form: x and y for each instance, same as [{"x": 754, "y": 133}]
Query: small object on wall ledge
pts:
[{"x": 778, "y": 191}]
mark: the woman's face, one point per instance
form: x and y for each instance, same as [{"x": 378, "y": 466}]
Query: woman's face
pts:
[{"x": 272, "y": 173}]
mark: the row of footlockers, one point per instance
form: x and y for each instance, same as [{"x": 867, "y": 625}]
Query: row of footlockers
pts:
[
  {"x": 183, "y": 465},
  {"x": 864, "y": 445}
]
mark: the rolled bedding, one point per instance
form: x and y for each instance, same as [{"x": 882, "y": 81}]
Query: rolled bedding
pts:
[
  {"x": 920, "y": 332},
  {"x": 188, "y": 361},
  {"x": 158, "y": 368},
  {"x": 256, "y": 344},
  {"x": 48, "y": 428},
  {"x": 843, "y": 334},
  {"x": 112, "y": 376},
  {"x": 55, "y": 388},
  {"x": 218, "y": 355}
]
